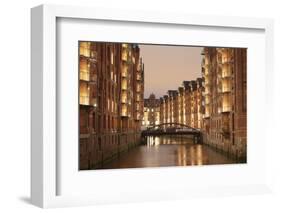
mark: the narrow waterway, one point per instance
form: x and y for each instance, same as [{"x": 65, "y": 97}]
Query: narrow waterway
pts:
[{"x": 168, "y": 151}]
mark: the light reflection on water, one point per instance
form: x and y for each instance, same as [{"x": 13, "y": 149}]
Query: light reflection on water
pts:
[
  {"x": 153, "y": 141},
  {"x": 169, "y": 151}
]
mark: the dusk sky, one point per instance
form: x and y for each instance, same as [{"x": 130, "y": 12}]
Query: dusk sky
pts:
[{"x": 166, "y": 67}]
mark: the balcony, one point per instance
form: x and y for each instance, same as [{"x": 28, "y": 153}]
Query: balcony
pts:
[
  {"x": 139, "y": 78},
  {"x": 84, "y": 100},
  {"x": 138, "y": 98},
  {"x": 207, "y": 100},
  {"x": 226, "y": 88},
  {"x": 138, "y": 89},
  {"x": 85, "y": 52},
  {"x": 84, "y": 75},
  {"x": 124, "y": 84},
  {"x": 87, "y": 76},
  {"x": 138, "y": 107},
  {"x": 226, "y": 74},
  {"x": 87, "y": 101},
  {"x": 226, "y": 108},
  {"x": 124, "y": 97},
  {"x": 226, "y": 71},
  {"x": 124, "y": 72},
  {"x": 226, "y": 84},
  {"x": 124, "y": 110},
  {"x": 226, "y": 102},
  {"x": 226, "y": 58},
  {"x": 124, "y": 55},
  {"x": 84, "y": 93},
  {"x": 84, "y": 69},
  {"x": 84, "y": 49}
]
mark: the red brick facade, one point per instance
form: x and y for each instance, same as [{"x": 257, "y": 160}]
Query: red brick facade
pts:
[
  {"x": 216, "y": 103},
  {"x": 111, "y": 108},
  {"x": 225, "y": 120},
  {"x": 185, "y": 105}
]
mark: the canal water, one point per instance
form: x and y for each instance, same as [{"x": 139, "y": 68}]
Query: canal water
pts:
[{"x": 166, "y": 151}]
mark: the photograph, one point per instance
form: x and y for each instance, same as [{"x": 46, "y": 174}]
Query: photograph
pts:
[{"x": 160, "y": 105}]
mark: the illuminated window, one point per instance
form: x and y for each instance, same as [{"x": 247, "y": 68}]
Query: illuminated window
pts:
[
  {"x": 226, "y": 85},
  {"x": 138, "y": 76},
  {"x": 138, "y": 97},
  {"x": 138, "y": 87},
  {"x": 124, "y": 55},
  {"x": 226, "y": 71},
  {"x": 226, "y": 103},
  {"x": 124, "y": 110},
  {"x": 85, "y": 49},
  {"x": 84, "y": 94},
  {"x": 124, "y": 71},
  {"x": 84, "y": 70},
  {"x": 112, "y": 58},
  {"x": 124, "y": 97},
  {"x": 124, "y": 84}
]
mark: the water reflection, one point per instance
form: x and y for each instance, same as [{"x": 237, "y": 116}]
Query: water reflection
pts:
[
  {"x": 153, "y": 141},
  {"x": 169, "y": 151}
]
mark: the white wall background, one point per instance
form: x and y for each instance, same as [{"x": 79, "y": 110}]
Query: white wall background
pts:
[{"x": 15, "y": 105}]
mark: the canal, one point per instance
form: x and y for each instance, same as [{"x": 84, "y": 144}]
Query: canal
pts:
[{"x": 168, "y": 151}]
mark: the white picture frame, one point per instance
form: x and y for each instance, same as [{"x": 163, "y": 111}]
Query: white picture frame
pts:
[{"x": 45, "y": 168}]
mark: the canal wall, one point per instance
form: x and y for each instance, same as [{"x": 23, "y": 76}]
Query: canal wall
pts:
[
  {"x": 235, "y": 148},
  {"x": 102, "y": 148}
]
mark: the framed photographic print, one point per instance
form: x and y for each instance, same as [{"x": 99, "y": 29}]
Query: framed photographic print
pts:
[{"x": 148, "y": 105}]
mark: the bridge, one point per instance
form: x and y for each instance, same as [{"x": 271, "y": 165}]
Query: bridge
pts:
[{"x": 173, "y": 129}]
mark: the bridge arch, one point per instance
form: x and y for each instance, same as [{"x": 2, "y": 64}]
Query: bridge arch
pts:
[
  {"x": 171, "y": 124},
  {"x": 152, "y": 131}
]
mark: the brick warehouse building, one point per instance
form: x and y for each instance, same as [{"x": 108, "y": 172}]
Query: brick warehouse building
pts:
[
  {"x": 111, "y": 90},
  {"x": 151, "y": 111},
  {"x": 184, "y": 105},
  {"x": 225, "y": 121},
  {"x": 215, "y": 103}
]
